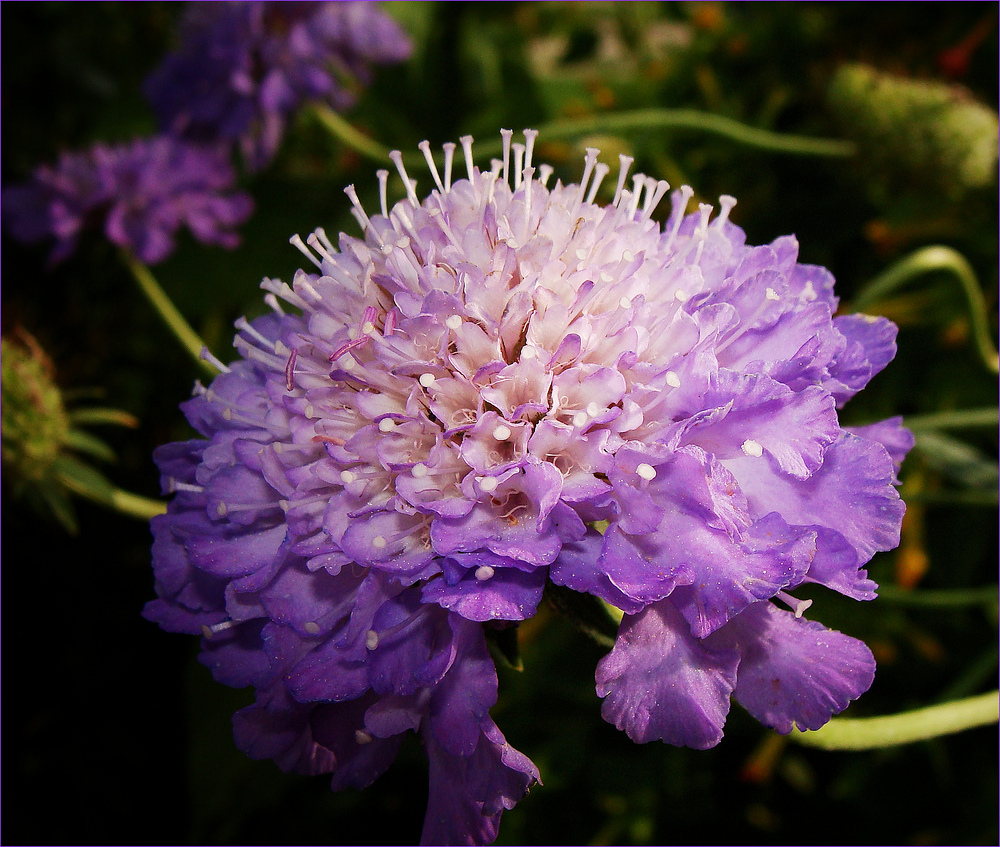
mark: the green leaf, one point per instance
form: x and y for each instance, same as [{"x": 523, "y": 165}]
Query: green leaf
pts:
[
  {"x": 84, "y": 442},
  {"x": 102, "y": 415}
]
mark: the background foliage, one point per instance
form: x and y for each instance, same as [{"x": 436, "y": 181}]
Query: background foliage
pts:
[{"x": 114, "y": 734}]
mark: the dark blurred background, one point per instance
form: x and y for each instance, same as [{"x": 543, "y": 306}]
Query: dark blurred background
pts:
[{"x": 114, "y": 734}]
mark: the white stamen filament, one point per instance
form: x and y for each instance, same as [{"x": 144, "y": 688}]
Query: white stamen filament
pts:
[
  {"x": 383, "y": 183},
  {"x": 425, "y": 148},
  {"x": 207, "y": 356},
  {"x": 466, "y": 142},
  {"x": 601, "y": 170},
  {"x": 506, "y": 134},
  {"x": 625, "y": 162},
  {"x": 408, "y": 184},
  {"x": 297, "y": 242},
  {"x": 449, "y": 159}
]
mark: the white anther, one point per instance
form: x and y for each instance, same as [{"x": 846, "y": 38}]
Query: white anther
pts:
[
  {"x": 221, "y": 509},
  {"x": 484, "y": 572},
  {"x": 454, "y": 322},
  {"x": 528, "y": 352},
  {"x": 628, "y": 256},
  {"x": 386, "y": 425},
  {"x": 362, "y": 737},
  {"x": 593, "y": 409},
  {"x": 488, "y": 483},
  {"x": 752, "y": 448},
  {"x": 680, "y": 295},
  {"x": 379, "y": 542},
  {"x": 349, "y": 362},
  {"x": 625, "y": 302},
  {"x": 647, "y": 472},
  {"x": 673, "y": 380},
  {"x": 581, "y": 419},
  {"x": 311, "y": 627},
  {"x": 581, "y": 254},
  {"x": 367, "y": 328},
  {"x": 771, "y": 294},
  {"x": 308, "y": 410},
  {"x": 427, "y": 380},
  {"x": 501, "y": 432},
  {"x": 347, "y": 477}
]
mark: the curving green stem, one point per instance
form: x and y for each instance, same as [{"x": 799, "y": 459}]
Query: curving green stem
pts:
[
  {"x": 926, "y": 260},
  {"x": 954, "y": 419},
  {"x": 941, "y": 597},
  {"x": 905, "y": 727},
  {"x": 616, "y": 122},
  {"x": 167, "y": 311}
]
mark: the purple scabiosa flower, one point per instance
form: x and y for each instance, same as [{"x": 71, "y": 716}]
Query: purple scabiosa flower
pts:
[
  {"x": 454, "y": 406},
  {"x": 243, "y": 68},
  {"x": 140, "y": 194}
]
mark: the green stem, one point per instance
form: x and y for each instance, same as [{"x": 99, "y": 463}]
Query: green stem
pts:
[
  {"x": 763, "y": 139},
  {"x": 356, "y": 140},
  {"x": 616, "y": 122},
  {"x": 957, "y": 419},
  {"x": 926, "y": 260},
  {"x": 905, "y": 727},
  {"x": 942, "y": 597},
  {"x": 167, "y": 311}
]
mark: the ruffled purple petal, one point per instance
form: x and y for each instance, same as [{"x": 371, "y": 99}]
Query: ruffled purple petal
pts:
[
  {"x": 660, "y": 682},
  {"x": 794, "y": 671}
]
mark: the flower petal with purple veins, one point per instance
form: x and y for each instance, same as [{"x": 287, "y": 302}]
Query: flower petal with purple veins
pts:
[
  {"x": 793, "y": 671},
  {"x": 659, "y": 682}
]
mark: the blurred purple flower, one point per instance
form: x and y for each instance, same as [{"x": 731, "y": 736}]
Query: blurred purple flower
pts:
[
  {"x": 140, "y": 194},
  {"x": 468, "y": 392},
  {"x": 243, "y": 68}
]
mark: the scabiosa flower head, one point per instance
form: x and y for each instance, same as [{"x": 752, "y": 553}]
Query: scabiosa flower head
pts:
[
  {"x": 140, "y": 194},
  {"x": 243, "y": 68},
  {"x": 454, "y": 406}
]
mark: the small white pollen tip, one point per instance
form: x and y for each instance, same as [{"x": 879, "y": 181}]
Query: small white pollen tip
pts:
[
  {"x": 752, "y": 448},
  {"x": 647, "y": 472}
]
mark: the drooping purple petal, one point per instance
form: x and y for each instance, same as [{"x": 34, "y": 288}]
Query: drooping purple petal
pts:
[
  {"x": 793, "y": 671},
  {"x": 660, "y": 682}
]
